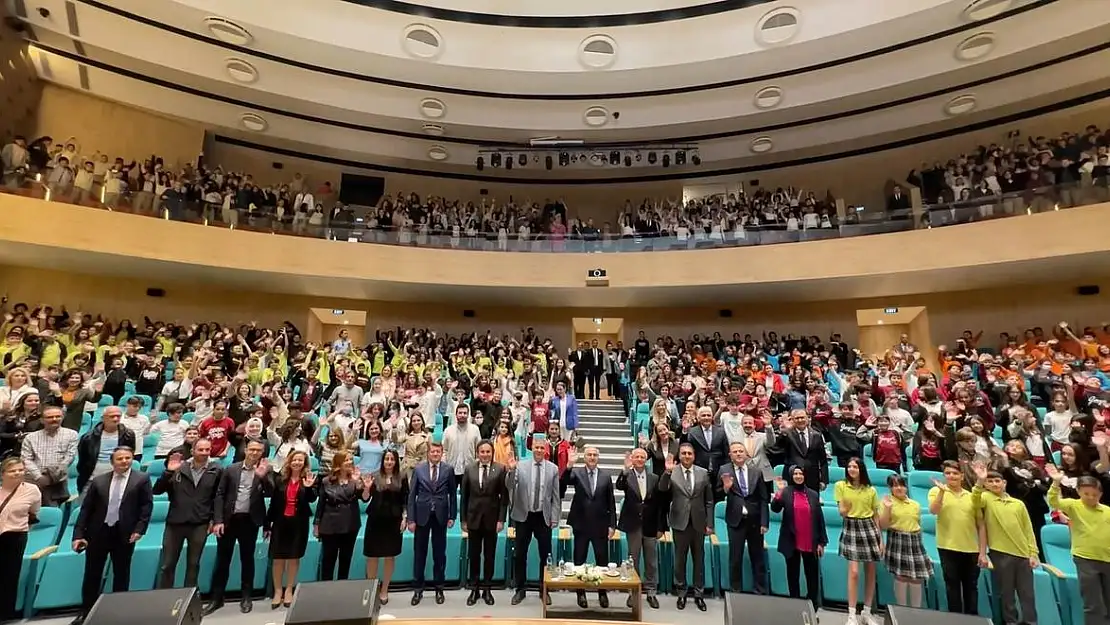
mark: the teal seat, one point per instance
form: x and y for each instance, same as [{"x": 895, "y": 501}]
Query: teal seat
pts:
[
  {"x": 834, "y": 569},
  {"x": 535, "y": 566},
  {"x": 42, "y": 541},
  {"x": 148, "y": 551},
  {"x": 105, "y": 401},
  {"x": 711, "y": 569},
  {"x": 836, "y": 474},
  {"x": 1057, "y": 552},
  {"x": 58, "y": 584},
  {"x": 147, "y": 403},
  {"x": 868, "y": 458},
  {"x": 129, "y": 387},
  {"x": 920, "y": 483}
]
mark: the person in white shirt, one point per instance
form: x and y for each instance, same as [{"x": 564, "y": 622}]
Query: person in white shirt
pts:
[
  {"x": 460, "y": 442},
  {"x": 133, "y": 420},
  {"x": 83, "y": 184},
  {"x": 1057, "y": 422},
  {"x": 171, "y": 431}
]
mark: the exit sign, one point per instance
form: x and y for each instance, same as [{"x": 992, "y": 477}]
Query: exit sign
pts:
[{"x": 890, "y": 311}]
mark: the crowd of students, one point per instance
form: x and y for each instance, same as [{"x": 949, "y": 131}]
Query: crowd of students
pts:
[{"x": 253, "y": 431}]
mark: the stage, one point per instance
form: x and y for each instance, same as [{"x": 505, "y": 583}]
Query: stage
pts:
[{"x": 455, "y": 611}]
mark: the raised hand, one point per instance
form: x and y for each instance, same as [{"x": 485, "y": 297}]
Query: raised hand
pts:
[
  {"x": 938, "y": 483},
  {"x": 174, "y": 463},
  {"x": 572, "y": 457},
  {"x": 1053, "y": 472},
  {"x": 1100, "y": 439},
  {"x": 727, "y": 481},
  {"x": 309, "y": 480},
  {"x": 980, "y": 469},
  {"x": 669, "y": 463},
  {"x": 511, "y": 463},
  {"x": 888, "y": 502},
  {"x": 627, "y": 460},
  {"x": 262, "y": 469},
  {"x": 780, "y": 484}
]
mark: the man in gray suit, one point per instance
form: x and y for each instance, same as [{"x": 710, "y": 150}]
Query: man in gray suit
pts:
[
  {"x": 535, "y": 506},
  {"x": 690, "y": 518}
]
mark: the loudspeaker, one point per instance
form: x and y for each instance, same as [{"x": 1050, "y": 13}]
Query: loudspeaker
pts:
[
  {"x": 744, "y": 608},
  {"x": 349, "y": 602},
  {"x": 902, "y": 615},
  {"x": 1087, "y": 289},
  {"x": 172, "y": 606}
]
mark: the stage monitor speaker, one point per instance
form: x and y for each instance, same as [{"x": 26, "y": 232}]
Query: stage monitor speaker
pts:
[
  {"x": 349, "y": 602},
  {"x": 744, "y": 608},
  {"x": 172, "y": 606},
  {"x": 902, "y": 615}
]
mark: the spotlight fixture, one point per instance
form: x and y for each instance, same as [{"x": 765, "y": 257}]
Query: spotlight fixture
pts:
[
  {"x": 522, "y": 160},
  {"x": 627, "y": 161},
  {"x": 481, "y": 163},
  {"x": 639, "y": 157},
  {"x": 564, "y": 159},
  {"x": 548, "y": 162},
  {"x": 509, "y": 163},
  {"x": 651, "y": 158},
  {"x": 495, "y": 159},
  {"x": 614, "y": 158},
  {"x": 666, "y": 160},
  {"x": 680, "y": 157},
  {"x": 695, "y": 159}
]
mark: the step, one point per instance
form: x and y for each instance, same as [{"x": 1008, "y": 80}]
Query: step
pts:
[
  {"x": 601, "y": 418},
  {"x": 604, "y": 426},
  {"x": 600, "y": 402},
  {"x": 600, "y": 410}
]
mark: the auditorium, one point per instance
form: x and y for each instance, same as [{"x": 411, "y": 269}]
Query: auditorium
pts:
[{"x": 337, "y": 312}]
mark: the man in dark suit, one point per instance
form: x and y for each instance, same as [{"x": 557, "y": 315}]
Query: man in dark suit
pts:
[
  {"x": 898, "y": 204},
  {"x": 240, "y": 511},
  {"x": 746, "y": 513},
  {"x": 580, "y": 366},
  {"x": 710, "y": 443},
  {"x": 593, "y": 512},
  {"x": 804, "y": 447},
  {"x": 597, "y": 367},
  {"x": 691, "y": 520},
  {"x": 432, "y": 510},
  {"x": 643, "y": 520},
  {"x": 113, "y": 517},
  {"x": 485, "y": 501}
]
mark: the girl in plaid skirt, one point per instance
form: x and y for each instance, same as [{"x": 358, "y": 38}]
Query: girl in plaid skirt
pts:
[
  {"x": 905, "y": 553},
  {"x": 860, "y": 540}
]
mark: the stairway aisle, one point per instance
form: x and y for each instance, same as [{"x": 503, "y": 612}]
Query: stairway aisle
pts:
[{"x": 602, "y": 424}]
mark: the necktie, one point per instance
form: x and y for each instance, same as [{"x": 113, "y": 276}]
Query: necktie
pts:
[
  {"x": 690, "y": 479},
  {"x": 435, "y": 474},
  {"x": 804, "y": 437},
  {"x": 593, "y": 481},
  {"x": 640, "y": 484},
  {"x": 536, "y": 487},
  {"x": 115, "y": 494},
  {"x": 482, "y": 477},
  {"x": 743, "y": 480}
]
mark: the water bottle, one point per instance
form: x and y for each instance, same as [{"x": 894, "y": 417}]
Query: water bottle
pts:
[
  {"x": 624, "y": 571},
  {"x": 551, "y": 571}
]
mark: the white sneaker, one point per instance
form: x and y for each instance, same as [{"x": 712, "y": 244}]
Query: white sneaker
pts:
[
  {"x": 852, "y": 619},
  {"x": 870, "y": 619}
]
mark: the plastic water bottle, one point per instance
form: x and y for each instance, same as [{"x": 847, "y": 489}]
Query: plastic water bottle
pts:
[
  {"x": 624, "y": 571},
  {"x": 551, "y": 570}
]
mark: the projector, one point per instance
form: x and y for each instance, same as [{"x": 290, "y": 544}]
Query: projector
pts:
[{"x": 597, "y": 277}]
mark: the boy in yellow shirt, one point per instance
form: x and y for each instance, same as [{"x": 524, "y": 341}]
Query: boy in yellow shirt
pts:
[
  {"x": 1013, "y": 548},
  {"x": 1090, "y": 542}
]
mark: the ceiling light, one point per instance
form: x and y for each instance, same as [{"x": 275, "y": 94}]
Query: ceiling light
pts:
[
  {"x": 253, "y": 122},
  {"x": 960, "y": 105},
  {"x": 596, "y": 116},
  {"x": 778, "y": 26},
  {"x": 768, "y": 98},
  {"x": 509, "y": 162},
  {"x": 480, "y": 163},
  {"x": 695, "y": 159},
  {"x": 680, "y": 157},
  {"x": 975, "y": 47},
  {"x": 597, "y": 51},
  {"x": 228, "y": 31},
  {"x": 762, "y": 144},
  {"x": 651, "y": 158},
  {"x": 433, "y": 108},
  {"x": 241, "y": 71},
  {"x": 666, "y": 160},
  {"x": 522, "y": 160},
  {"x": 437, "y": 153},
  {"x": 495, "y": 159},
  {"x": 433, "y": 129},
  {"x": 986, "y": 9},
  {"x": 547, "y": 162},
  {"x": 422, "y": 41}
]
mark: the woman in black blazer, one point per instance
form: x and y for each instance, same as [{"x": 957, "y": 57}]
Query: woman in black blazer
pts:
[
  {"x": 338, "y": 518},
  {"x": 802, "y": 535},
  {"x": 287, "y": 523}
]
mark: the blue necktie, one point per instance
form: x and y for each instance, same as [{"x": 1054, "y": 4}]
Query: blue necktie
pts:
[{"x": 115, "y": 495}]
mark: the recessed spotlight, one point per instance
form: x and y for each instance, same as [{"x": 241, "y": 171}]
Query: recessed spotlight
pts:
[
  {"x": 437, "y": 153},
  {"x": 986, "y": 9},
  {"x": 228, "y": 31},
  {"x": 433, "y": 129},
  {"x": 778, "y": 26},
  {"x": 422, "y": 41},
  {"x": 762, "y": 144},
  {"x": 975, "y": 47},
  {"x": 960, "y": 105},
  {"x": 768, "y": 98},
  {"x": 433, "y": 108},
  {"x": 241, "y": 71},
  {"x": 253, "y": 122},
  {"x": 596, "y": 116},
  {"x": 597, "y": 51}
]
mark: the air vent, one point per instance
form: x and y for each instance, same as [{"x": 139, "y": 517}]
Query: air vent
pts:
[
  {"x": 975, "y": 47},
  {"x": 768, "y": 98},
  {"x": 986, "y": 9},
  {"x": 433, "y": 108},
  {"x": 597, "y": 51},
  {"x": 596, "y": 116},
  {"x": 253, "y": 122},
  {"x": 241, "y": 71},
  {"x": 762, "y": 144},
  {"x": 960, "y": 105},
  {"x": 437, "y": 153},
  {"x": 433, "y": 129},
  {"x": 228, "y": 31},
  {"x": 778, "y": 26},
  {"x": 422, "y": 41}
]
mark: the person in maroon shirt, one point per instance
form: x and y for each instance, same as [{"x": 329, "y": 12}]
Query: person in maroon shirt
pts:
[
  {"x": 217, "y": 428},
  {"x": 802, "y": 533}
]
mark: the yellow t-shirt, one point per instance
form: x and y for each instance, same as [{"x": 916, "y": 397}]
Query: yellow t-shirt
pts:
[
  {"x": 1090, "y": 527},
  {"x": 957, "y": 523},
  {"x": 905, "y": 516},
  {"x": 862, "y": 501},
  {"x": 1009, "y": 529}
]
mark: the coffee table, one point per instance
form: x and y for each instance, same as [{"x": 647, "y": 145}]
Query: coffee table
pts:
[{"x": 612, "y": 584}]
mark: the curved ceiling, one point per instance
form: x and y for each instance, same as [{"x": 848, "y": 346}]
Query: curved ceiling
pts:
[{"x": 847, "y": 80}]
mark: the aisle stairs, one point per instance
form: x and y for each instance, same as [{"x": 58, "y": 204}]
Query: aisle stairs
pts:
[{"x": 602, "y": 424}]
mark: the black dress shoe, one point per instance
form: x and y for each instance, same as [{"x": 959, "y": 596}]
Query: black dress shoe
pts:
[
  {"x": 416, "y": 597},
  {"x": 603, "y": 599},
  {"x": 547, "y": 599},
  {"x": 439, "y": 596},
  {"x": 582, "y": 600},
  {"x": 472, "y": 598},
  {"x": 698, "y": 601},
  {"x": 487, "y": 596},
  {"x": 246, "y": 605},
  {"x": 653, "y": 602},
  {"x": 518, "y": 596},
  {"x": 629, "y": 602},
  {"x": 681, "y": 604},
  {"x": 212, "y": 607}
]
